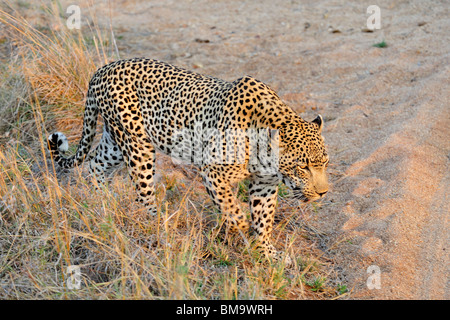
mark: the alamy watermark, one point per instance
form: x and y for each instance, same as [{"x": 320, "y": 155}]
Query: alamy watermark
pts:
[
  {"x": 74, "y": 20},
  {"x": 73, "y": 281},
  {"x": 374, "y": 279},
  {"x": 374, "y": 20},
  {"x": 203, "y": 146}
]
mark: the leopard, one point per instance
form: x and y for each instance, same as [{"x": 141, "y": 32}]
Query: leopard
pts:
[{"x": 239, "y": 130}]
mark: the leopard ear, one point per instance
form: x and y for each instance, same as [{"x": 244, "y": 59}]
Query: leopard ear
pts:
[{"x": 319, "y": 122}]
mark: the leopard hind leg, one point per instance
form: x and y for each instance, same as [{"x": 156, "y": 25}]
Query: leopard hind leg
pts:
[{"x": 105, "y": 159}]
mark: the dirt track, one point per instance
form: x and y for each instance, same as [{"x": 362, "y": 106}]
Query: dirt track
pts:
[{"x": 386, "y": 111}]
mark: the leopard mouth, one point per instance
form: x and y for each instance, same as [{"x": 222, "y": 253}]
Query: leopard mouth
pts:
[{"x": 298, "y": 194}]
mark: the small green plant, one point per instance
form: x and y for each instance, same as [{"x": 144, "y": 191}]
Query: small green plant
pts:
[
  {"x": 280, "y": 282},
  {"x": 283, "y": 191},
  {"x": 242, "y": 193},
  {"x": 316, "y": 284},
  {"x": 341, "y": 289},
  {"x": 381, "y": 44},
  {"x": 223, "y": 259}
]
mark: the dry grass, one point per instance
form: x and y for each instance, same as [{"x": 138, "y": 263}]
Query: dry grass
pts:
[
  {"x": 51, "y": 221},
  {"x": 58, "y": 62},
  {"x": 47, "y": 226}
]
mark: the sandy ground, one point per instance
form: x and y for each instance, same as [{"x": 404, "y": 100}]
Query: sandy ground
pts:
[{"x": 386, "y": 111}]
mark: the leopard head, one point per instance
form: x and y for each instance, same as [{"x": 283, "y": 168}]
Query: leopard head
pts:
[{"x": 303, "y": 159}]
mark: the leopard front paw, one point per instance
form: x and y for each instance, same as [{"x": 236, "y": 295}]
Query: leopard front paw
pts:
[{"x": 271, "y": 254}]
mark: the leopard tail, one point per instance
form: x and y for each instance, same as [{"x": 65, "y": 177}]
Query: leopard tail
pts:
[{"x": 58, "y": 144}]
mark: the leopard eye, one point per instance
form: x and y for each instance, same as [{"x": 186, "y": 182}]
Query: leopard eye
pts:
[
  {"x": 303, "y": 166},
  {"x": 326, "y": 163}
]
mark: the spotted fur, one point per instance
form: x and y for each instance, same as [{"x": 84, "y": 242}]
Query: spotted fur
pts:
[{"x": 146, "y": 103}]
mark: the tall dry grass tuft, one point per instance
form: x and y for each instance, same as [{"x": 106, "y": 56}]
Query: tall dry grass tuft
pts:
[{"x": 58, "y": 62}]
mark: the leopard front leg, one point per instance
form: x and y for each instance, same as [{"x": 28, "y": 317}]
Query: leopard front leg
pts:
[
  {"x": 220, "y": 191},
  {"x": 141, "y": 166},
  {"x": 263, "y": 192}
]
